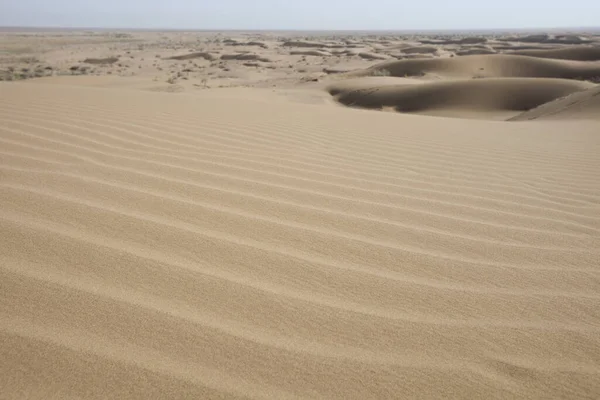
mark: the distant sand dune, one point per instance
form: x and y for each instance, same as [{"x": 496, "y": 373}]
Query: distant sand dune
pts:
[
  {"x": 245, "y": 57},
  {"x": 372, "y": 56},
  {"x": 518, "y": 46},
  {"x": 231, "y": 244},
  {"x": 466, "y": 40},
  {"x": 369, "y": 82},
  {"x": 419, "y": 50},
  {"x": 491, "y": 66},
  {"x": 107, "y": 60},
  {"x": 191, "y": 56},
  {"x": 472, "y": 52},
  {"x": 548, "y": 38},
  {"x": 316, "y": 53},
  {"x": 580, "y": 53},
  {"x": 250, "y": 43},
  {"x": 303, "y": 43},
  {"x": 494, "y": 94},
  {"x": 401, "y": 56}
]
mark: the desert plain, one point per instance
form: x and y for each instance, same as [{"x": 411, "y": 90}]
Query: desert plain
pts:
[{"x": 299, "y": 215}]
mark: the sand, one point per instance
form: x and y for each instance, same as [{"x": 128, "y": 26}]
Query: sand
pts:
[
  {"x": 487, "y": 96},
  {"x": 584, "y": 104},
  {"x": 490, "y": 66},
  {"x": 581, "y": 53},
  {"x": 243, "y": 235}
]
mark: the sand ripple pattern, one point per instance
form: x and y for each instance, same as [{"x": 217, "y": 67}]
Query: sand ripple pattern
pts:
[{"x": 160, "y": 246}]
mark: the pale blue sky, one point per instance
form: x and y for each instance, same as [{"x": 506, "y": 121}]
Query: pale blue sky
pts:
[{"x": 302, "y": 14}]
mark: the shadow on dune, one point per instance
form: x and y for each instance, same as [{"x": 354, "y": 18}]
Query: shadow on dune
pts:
[
  {"x": 488, "y": 66},
  {"x": 491, "y": 95}
]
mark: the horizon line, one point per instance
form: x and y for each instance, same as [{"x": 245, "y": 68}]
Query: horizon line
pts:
[{"x": 415, "y": 30}]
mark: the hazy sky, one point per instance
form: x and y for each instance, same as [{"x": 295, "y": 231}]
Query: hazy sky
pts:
[{"x": 302, "y": 14}]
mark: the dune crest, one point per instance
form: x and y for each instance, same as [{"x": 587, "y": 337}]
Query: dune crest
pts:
[{"x": 579, "y": 53}]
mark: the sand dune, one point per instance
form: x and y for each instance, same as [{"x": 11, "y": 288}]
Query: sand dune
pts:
[
  {"x": 579, "y": 105},
  {"x": 372, "y": 56},
  {"x": 548, "y": 38},
  {"x": 402, "y": 56},
  {"x": 231, "y": 244},
  {"x": 484, "y": 95},
  {"x": 106, "y": 60},
  {"x": 514, "y": 46},
  {"x": 580, "y": 53},
  {"x": 194, "y": 55},
  {"x": 245, "y": 57},
  {"x": 242, "y": 43},
  {"x": 472, "y": 52},
  {"x": 491, "y": 66},
  {"x": 465, "y": 40},
  {"x": 316, "y": 53},
  {"x": 303, "y": 43},
  {"x": 419, "y": 50},
  {"x": 369, "y": 82}
]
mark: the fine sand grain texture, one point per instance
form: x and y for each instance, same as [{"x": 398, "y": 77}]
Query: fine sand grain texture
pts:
[
  {"x": 231, "y": 244},
  {"x": 192, "y": 215}
]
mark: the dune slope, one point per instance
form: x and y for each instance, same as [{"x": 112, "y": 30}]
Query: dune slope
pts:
[
  {"x": 230, "y": 244},
  {"x": 494, "y": 94},
  {"x": 489, "y": 66},
  {"x": 581, "y": 53},
  {"x": 580, "y": 105}
]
